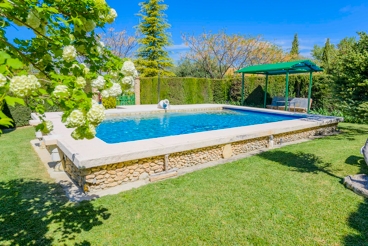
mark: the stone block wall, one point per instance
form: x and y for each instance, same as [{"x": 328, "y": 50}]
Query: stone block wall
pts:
[{"x": 111, "y": 175}]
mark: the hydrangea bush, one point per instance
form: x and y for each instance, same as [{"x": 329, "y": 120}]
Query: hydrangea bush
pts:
[{"x": 65, "y": 55}]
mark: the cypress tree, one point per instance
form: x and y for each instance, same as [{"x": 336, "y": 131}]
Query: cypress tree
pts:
[
  {"x": 295, "y": 46},
  {"x": 153, "y": 59},
  {"x": 326, "y": 56}
]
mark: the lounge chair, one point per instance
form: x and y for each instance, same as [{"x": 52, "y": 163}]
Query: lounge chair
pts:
[{"x": 297, "y": 104}]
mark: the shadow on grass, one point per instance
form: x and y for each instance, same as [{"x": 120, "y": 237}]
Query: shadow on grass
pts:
[
  {"x": 358, "y": 221},
  {"x": 350, "y": 132},
  {"x": 33, "y": 212},
  {"x": 300, "y": 162},
  {"x": 357, "y": 161}
]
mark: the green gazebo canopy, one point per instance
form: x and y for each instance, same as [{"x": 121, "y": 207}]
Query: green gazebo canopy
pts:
[{"x": 293, "y": 67}]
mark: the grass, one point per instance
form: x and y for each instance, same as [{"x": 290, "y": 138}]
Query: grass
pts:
[{"x": 288, "y": 196}]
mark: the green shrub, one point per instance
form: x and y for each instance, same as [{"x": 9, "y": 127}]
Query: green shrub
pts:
[
  {"x": 109, "y": 102},
  {"x": 19, "y": 113}
]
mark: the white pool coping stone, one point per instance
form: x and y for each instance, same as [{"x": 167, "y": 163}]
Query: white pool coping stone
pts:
[{"x": 95, "y": 152}]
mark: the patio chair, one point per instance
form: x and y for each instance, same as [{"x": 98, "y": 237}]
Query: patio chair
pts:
[
  {"x": 298, "y": 104},
  {"x": 276, "y": 102},
  {"x": 279, "y": 103}
]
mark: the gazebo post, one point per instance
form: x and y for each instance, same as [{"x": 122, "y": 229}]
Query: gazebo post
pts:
[
  {"x": 287, "y": 91},
  {"x": 309, "y": 90},
  {"x": 265, "y": 94},
  {"x": 242, "y": 91}
]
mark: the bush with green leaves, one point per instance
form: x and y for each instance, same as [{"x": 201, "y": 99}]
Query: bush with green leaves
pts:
[
  {"x": 351, "y": 74},
  {"x": 109, "y": 102},
  {"x": 66, "y": 56}
]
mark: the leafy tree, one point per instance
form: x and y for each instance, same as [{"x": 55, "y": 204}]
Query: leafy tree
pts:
[
  {"x": 187, "y": 68},
  {"x": 316, "y": 53},
  {"x": 295, "y": 46},
  {"x": 217, "y": 53},
  {"x": 152, "y": 56},
  {"x": 346, "y": 44},
  {"x": 63, "y": 32},
  {"x": 351, "y": 74},
  {"x": 328, "y": 53}
]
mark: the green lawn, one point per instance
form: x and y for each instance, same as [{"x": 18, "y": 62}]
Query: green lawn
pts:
[{"x": 289, "y": 196}]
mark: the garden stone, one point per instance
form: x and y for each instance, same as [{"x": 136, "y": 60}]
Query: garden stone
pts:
[
  {"x": 357, "y": 183},
  {"x": 364, "y": 151}
]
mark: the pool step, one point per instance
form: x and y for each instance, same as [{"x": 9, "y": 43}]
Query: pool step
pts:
[{"x": 164, "y": 175}]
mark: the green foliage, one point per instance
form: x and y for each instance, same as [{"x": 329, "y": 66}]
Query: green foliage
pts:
[
  {"x": 316, "y": 53},
  {"x": 184, "y": 90},
  {"x": 186, "y": 68},
  {"x": 62, "y": 32},
  {"x": 153, "y": 59},
  {"x": 109, "y": 102},
  {"x": 20, "y": 114},
  {"x": 195, "y": 90},
  {"x": 350, "y": 72},
  {"x": 295, "y": 46},
  {"x": 326, "y": 53}
]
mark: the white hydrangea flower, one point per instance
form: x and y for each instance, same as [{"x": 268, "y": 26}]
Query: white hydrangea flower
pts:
[
  {"x": 105, "y": 94},
  {"x": 92, "y": 129},
  {"x": 75, "y": 119},
  {"x": 111, "y": 16},
  {"x": 135, "y": 74},
  {"x": 128, "y": 80},
  {"x": 75, "y": 65},
  {"x": 99, "y": 48},
  {"x": 98, "y": 83},
  {"x": 89, "y": 25},
  {"x": 23, "y": 85},
  {"x": 128, "y": 68},
  {"x": 94, "y": 102},
  {"x": 114, "y": 74},
  {"x": 2, "y": 80},
  {"x": 33, "y": 20},
  {"x": 81, "y": 82},
  {"x": 96, "y": 114},
  {"x": 115, "y": 90},
  {"x": 69, "y": 53},
  {"x": 85, "y": 68},
  {"x": 49, "y": 126},
  {"x": 61, "y": 91}
]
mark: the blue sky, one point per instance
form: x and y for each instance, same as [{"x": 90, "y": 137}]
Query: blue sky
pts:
[{"x": 276, "y": 21}]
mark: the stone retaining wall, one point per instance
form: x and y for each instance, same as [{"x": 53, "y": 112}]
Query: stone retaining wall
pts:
[{"x": 111, "y": 175}]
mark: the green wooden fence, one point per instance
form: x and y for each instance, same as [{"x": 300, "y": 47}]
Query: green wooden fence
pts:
[{"x": 125, "y": 100}]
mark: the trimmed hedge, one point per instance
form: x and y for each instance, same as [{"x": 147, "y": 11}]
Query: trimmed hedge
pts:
[
  {"x": 22, "y": 114},
  {"x": 202, "y": 90},
  {"x": 19, "y": 113}
]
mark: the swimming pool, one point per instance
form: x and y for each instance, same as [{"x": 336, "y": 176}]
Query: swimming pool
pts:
[
  {"x": 139, "y": 127},
  {"x": 95, "y": 165}
]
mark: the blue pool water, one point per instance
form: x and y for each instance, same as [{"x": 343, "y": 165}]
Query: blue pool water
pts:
[{"x": 138, "y": 127}]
